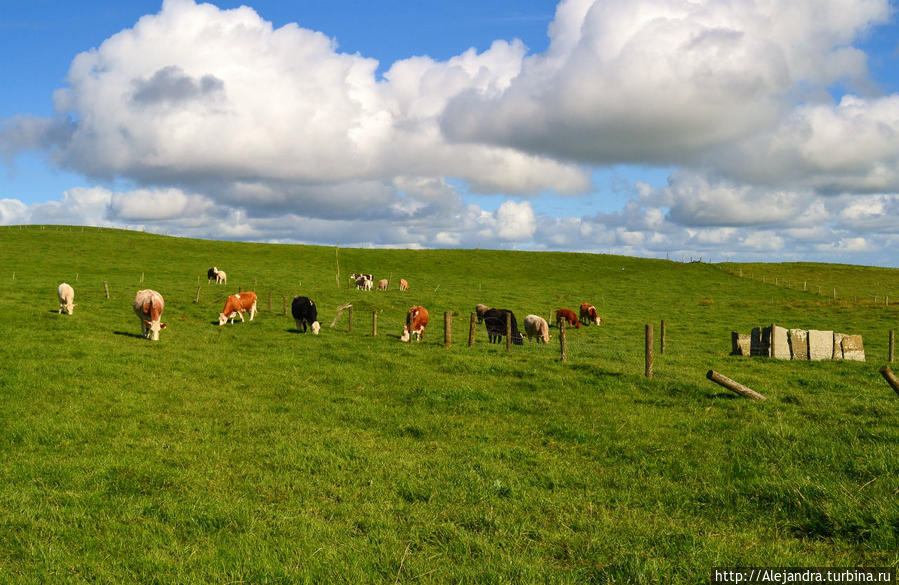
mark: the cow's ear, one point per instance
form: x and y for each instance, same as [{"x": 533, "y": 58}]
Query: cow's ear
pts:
[
  {"x": 147, "y": 323},
  {"x": 162, "y": 325}
]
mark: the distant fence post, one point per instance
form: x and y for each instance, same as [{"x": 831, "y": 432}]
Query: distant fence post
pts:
[
  {"x": 269, "y": 302},
  {"x": 472, "y": 326},
  {"x": 508, "y": 331},
  {"x": 350, "y": 317},
  {"x": 447, "y": 328},
  {"x": 197, "y": 298},
  {"x": 662, "y": 339},
  {"x": 374, "y": 323},
  {"x": 106, "y": 288},
  {"x": 892, "y": 343},
  {"x": 648, "y": 372},
  {"x": 563, "y": 341}
]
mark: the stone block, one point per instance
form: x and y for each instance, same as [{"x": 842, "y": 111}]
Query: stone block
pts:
[
  {"x": 820, "y": 345},
  {"x": 780, "y": 345},
  {"x": 759, "y": 342},
  {"x": 853, "y": 349},
  {"x": 799, "y": 344},
  {"x": 741, "y": 342},
  {"x": 837, "y": 346}
]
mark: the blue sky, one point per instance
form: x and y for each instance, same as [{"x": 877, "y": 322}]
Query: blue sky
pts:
[{"x": 646, "y": 127}]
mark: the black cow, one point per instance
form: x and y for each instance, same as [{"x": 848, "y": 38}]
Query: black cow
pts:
[
  {"x": 495, "y": 320},
  {"x": 304, "y": 312},
  {"x": 210, "y": 274}
]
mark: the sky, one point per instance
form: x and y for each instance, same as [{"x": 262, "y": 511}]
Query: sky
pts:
[{"x": 739, "y": 130}]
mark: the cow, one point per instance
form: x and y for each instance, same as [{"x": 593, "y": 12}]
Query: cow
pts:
[
  {"x": 211, "y": 274},
  {"x": 495, "y": 319},
  {"x": 362, "y": 281},
  {"x": 236, "y": 304},
  {"x": 148, "y": 306},
  {"x": 416, "y": 321},
  {"x": 382, "y": 284},
  {"x": 403, "y": 284},
  {"x": 66, "y": 296},
  {"x": 588, "y": 314},
  {"x": 480, "y": 310},
  {"x": 221, "y": 277},
  {"x": 305, "y": 313},
  {"x": 569, "y": 317},
  {"x": 536, "y": 326}
]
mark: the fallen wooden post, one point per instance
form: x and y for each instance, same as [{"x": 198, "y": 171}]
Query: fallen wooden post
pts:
[
  {"x": 340, "y": 310},
  {"x": 733, "y": 386},
  {"x": 890, "y": 377}
]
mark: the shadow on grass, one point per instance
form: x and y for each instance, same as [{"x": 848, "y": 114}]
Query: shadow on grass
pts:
[{"x": 126, "y": 334}]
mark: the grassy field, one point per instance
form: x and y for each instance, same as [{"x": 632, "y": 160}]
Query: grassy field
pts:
[{"x": 250, "y": 453}]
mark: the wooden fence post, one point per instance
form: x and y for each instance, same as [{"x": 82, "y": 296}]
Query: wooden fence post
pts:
[
  {"x": 350, "y": 317},
  {"x": 890, "y": 377},
  {"x": 106, "y": 288},
  {"x": 733, "y": 386},
  {"x": 374, "y": 323},
  {"x": 508, "y": 331},
  {"x": 472, "y": 326},
  {"x": 662, "y": 339},
  {"x": 447, "y": 328},
  {"x": 648, "y": 372},
  {"x": 892, "y": 343},
  {"x": 563, "y": 341},
  {"x": 197, "y": 298}
]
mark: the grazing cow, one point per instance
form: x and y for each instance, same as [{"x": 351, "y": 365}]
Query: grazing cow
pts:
[
  {"x": 569, "y": 317},
  {"x": 148, "y": 306},
  {"x": 236, "y": 304},
  {"x": 221, "y": 277},
  {"x": 403, "y": 284},
  {"x": 210, "y": 274},
  {"x": 305, "y": 313},
  {"x": 536, "y": 326},
  {"x": 495, "y": 319},
  {"x": 66, "y": 296},
  {"x": 382, "y": 284},
  {"x": 416, "y": 321},
  {"x": 362, "y": 281},
  {"x": 480, "y": 310},
  {"x": 588, "y": 314}
]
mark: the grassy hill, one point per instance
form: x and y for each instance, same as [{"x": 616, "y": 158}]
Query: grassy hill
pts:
[{"x": 251, "y": 453}]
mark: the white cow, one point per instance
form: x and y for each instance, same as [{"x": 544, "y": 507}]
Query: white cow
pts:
[
  {"x": 536, "y": 326},
  {"x": 66, "y": 296},
  {"x": 221, "y": 277}
]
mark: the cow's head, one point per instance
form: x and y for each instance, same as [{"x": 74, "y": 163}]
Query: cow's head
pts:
[
  {"x": 153, "y": 329},
  {"x": 316, "y": 326},
  {"x": 405, "y": 335},
  {"x": 222, "y": 319}
]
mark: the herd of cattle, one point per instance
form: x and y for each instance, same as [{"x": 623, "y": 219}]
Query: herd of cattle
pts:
[{"x": 149, "y": 304}]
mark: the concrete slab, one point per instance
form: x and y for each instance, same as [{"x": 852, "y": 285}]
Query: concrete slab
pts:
[
  {"x": 820, "y": 345},
  {"x": 853, "y": 348},
  {"x": 798, "y": 344}
]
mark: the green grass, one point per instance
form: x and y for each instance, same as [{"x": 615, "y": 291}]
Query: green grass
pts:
[{"x": 252, "y": 454}]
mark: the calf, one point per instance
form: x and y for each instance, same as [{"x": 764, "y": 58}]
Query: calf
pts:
[
  {"x": 148, "y": 306},
  {"x": 235, "y": 305},
  {"x": 403, "y": 284},
  {"x": 305, "y": 313},
  {"x": 210, "y": 274},
  {"x": 495, "y": 320},
  {"x": 569, "y": 317},
  {"x": 66, "y": 296},
  {"x": 382, "y": 284},
  {"x": 536, "y": 326},
  {"x": 416, "y": 321},
  {"x": 480, "y": 310},
  {"x": 588, "y": 314}
]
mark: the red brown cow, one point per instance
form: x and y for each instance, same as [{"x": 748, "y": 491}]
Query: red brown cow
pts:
[
  {"x": 588, "y": 314},
  {"x": 148, "y": 306},
  {"x": 416, "y": 321},
  {"x": 235, "y": 306},
  {"x": 569, "y": 316}
]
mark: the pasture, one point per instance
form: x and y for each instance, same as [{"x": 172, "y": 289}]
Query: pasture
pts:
[{"x": 249, "y": 453}]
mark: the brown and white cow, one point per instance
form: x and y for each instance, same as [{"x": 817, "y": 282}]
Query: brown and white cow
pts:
[
  {"x": 66, "y": 296},
  {"x": 403, "y": 284},
  {"x": 236, "y": 304},
  {"x": 148, "y": 306},
  {"x": 416, "y": 321},
  {"x": 588, "y": 314},
  {"x": 536, "y": 326},
  {"x": 382, "y": 284},
  {"x": 569, "y": 317}
]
